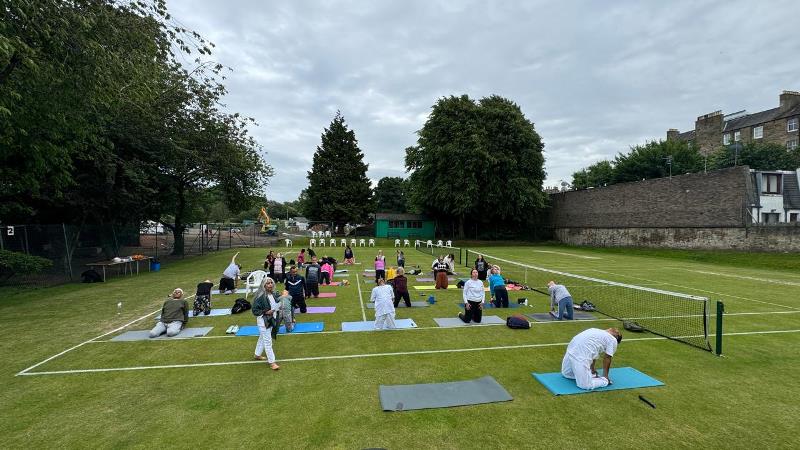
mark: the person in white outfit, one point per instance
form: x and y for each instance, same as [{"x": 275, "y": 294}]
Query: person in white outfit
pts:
[
  {"x": 583, "y": 349},
  {"x": 383, "y": 298},
  {"x": 474, "y": 297},
  {"x": 264, "y": 308}
]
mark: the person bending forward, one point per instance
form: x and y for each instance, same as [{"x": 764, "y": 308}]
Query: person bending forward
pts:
[
  {"x": 383, "y": 298},
  {"x": 583, "y": 349}
]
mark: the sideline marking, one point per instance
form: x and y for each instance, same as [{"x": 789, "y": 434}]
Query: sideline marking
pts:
[
  {"x": 366, "y": 355},
  {"x": 567, "y": 254},
  {"x": 745, "y": 277}
]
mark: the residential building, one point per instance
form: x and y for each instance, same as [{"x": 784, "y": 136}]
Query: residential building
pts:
[
  {"x": 404, "y": 226},
  {"x": 776, "y": 196},
  {"x": 777, "y": 125}
]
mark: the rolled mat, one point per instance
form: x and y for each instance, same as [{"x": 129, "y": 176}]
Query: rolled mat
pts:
[
  {"x": 442, "y": 395},
  {"x": 623, "y": 378}
]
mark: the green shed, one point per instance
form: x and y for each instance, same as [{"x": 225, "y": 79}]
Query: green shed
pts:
[{"x": 414, "y": 226}]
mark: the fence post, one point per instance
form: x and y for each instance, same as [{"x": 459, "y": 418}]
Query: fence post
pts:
[
  {"x": 720, "y": 312},
  {"x": 67, "y": 254}
]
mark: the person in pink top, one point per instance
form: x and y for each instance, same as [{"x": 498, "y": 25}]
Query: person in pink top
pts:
[
  {"x": 326, "y": 272},
  {"x": 380, "y": 266},
  {"x": 301, "y": 257}
]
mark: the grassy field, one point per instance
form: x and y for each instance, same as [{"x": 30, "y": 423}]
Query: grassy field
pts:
[{"x": 746, "y": 398}]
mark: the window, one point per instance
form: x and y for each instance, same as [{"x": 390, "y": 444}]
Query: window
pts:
[
  {"x": 758, "y": 132},
  {"x": 726, "y": 139},
  {"x": 397, "y": 224},
  {"x": 792, "y": 125},
  {"x": 793, "y": 217},
  {"x": 737, "y": 136},
  {"x": 771, "y": 183},
  {"x": 414, "y": 224},
  {"x": 770, "y": 217},
  {"x": 791, "y": 144}
]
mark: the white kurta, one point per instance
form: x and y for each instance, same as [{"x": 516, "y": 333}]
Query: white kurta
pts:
[
  {"x": 383, "y": 297},
  {"x": 584, "y": 348}
]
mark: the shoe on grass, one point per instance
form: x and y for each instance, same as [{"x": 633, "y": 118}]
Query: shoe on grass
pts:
[
  {"x": 274, "y": 366},
  {"x": 260, "y": 358}
]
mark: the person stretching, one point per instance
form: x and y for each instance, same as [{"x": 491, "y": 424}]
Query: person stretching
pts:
[
  {"x": 400, "y": 284},
  {"x": 583, "y": 349},
  {"x": 559, "y": 295},
  {"x": 230, "y": 277},
  {"x": 383, "y": 298},
  {"x": 474, "y": 297},
  {"x": 380, "y": 266},
  {"x": 174, "y": 315},
  {"x": 497, "y": 288},
  {"x": 312, "y": 278}
]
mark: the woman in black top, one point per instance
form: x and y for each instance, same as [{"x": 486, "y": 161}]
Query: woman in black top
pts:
[{"x": 482, "y": 267}]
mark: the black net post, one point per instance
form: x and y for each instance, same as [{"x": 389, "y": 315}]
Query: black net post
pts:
[{"x": 720, "y": 312}]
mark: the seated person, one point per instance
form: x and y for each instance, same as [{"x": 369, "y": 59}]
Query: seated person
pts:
[
  {"x": 174, "y": 315},
  {"x": 202, "y": 298}
]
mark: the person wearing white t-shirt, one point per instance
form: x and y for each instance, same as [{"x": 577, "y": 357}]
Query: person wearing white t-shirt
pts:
[
  {"x": 230, "y": 277},
  {"x": 474, "y": 297},
  {"x": 583, "y": 349}
]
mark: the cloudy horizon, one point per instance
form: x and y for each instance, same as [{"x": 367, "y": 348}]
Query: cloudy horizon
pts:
[{"x": 595, "y": 78}]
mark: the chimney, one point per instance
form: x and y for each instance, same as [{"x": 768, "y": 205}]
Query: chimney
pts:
[
  {"x": 789, "y": 99},
  {"x": 672, "y": 134}
]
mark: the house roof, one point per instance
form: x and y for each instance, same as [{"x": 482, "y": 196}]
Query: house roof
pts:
[
  {"x": 301, "y": 219},
  {"x": 392, "y": 216},
  {"x": 759, "y": 118}
]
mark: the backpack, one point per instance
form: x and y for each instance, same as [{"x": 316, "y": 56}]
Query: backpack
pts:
[
  {"x": 586, "y": 305},
  {"x": 460, "y": 284},
  {"x": 91, "y": 276},
  {"x": 240, "y": 305},
  {"x": 518, "y": 321}
]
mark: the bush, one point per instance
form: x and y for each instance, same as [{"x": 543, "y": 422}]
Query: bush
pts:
[{"x": 14, "y": 263}]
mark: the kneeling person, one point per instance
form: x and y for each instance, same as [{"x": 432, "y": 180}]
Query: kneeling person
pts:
[
  {"x": 174, "y": 315},
  {"x": 583, "y": 349},
  {"x": 285, "y": 314},
  {"x": 560, "y": 299},
  {"x": 202, "y": 298},
  {"x": 474, "y": 296}
]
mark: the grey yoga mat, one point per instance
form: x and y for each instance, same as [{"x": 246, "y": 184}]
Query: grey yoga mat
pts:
[
  {"x": 448, "y": 322},
  {"x": 547, "y": 317},
  {"x": 442, "y": 395},
  {"x": 402, "y": 304},
  {"x": 144, "y": 335}
]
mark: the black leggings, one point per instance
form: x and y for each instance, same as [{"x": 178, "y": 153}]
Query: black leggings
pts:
[
  {"x": 474, "y": 313},
  {"x": 405, "y": 296},
  {"x": 501, "y": 297}
]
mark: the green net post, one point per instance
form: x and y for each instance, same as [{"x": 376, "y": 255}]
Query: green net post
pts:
[{"x": 720, "y": 311}]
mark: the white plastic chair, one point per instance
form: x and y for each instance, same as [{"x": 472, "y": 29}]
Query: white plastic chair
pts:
[
  {"x": 406, "y": 243},
  {"x": 322, "y": 242},
  {"x": 429, "y": 243},
  {"x": 254, "y": 281},
  {"x": 344, "y": 242},
  {"x": 439, "y": 243},
  {"x": 289, "y": 243},
  {"x": 397, "y": 242},
  {"x": 312, "y": 242},
  {"x": 417, "y": 243},
  {"x": 362, "y": 242},
  {"x": 313, "y": 234},
  {"x": 328, "y": 233},
  {"x": 448, "y": 244},
  {"x": 372, "y": 242},
  {"x": 352, "y": 242}
]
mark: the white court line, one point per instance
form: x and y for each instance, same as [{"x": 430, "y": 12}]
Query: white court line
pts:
[
  {"x": 365, "y": 355},
  {"x": 361, "y": 299},
  {"x": 745, "y": 277},
  {"x": 567, "y": 254},
  {"x": 706, "y": 291}
]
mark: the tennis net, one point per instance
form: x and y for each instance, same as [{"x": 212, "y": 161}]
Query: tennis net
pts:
[
  {"x": 673, "y": 315},
  {"x": 435, "y": 251}
]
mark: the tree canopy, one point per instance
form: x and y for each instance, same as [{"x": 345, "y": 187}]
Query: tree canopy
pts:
[
  {"x": 757, "y": 155},
  {"x": 338, "y": 188},
  {"x": 390, "y": 195},
  {"x": 477, "y": 162}
]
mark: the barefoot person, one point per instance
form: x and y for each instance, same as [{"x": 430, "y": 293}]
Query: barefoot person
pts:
[
  {"x": 583, "y": 349},
  {"x": 230, "y": 277},
  {"x": 264, "y": 308}
]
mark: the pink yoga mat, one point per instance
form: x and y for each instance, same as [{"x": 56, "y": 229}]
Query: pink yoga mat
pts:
[
  {"x": 318, "y": 310},
  {"x": 327, "y": 294}
]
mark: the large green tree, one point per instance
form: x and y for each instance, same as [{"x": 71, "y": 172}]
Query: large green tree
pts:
[
  {"x": 338, "y": 188},
  {"x": 598, "y": 174},
  {"x": 477, "y": 162},
  {"x": 757, "y": 155},
  {"x": 390, "y": 195}
]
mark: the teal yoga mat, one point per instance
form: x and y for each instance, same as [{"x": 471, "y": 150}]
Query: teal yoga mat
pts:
[
  {"x": 301, "y": 327},
  {"x": 622, "y": 377}
]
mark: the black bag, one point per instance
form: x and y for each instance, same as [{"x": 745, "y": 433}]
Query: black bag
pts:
[
  {"x": 240, "y": 305},
  {"x": 586, "y": 305},
  {"x": 460, "y": 284},
  {"x": 518, "y": 322},
  {"x": 91, "y": 276}
]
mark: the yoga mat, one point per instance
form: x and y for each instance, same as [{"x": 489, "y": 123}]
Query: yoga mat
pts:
[
  {"x": 144, "y": 335},
  {"x": 431, "y": 280},
  {"x": 490, "y": 305},
  {"x": 369, "y": 325},
  {"x": 318, "y": 309},
  {"x": 449, "y": 322},
  {"x": 300, "y": 327},
  {"x": 327, "y": 295},
  {"x": 214, "y": 312},
  {"x": 340, "y": 271},
  {"x": 547, "y": 317},
  {"x": 433, "y": 288},
  {"x": 238, "y": 291},
  {"x": 623, "y": 378},
  {"x": 371, "y": 305},
  {"x": 442, "y": 395}
]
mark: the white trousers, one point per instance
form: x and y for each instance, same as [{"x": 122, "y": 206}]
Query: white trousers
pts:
[
  {"x": 264, "y": 340},
  {"x": 384, "y": 321},
  {"x": 172, "y": 328},
  {"x": 580, "y": 371}
]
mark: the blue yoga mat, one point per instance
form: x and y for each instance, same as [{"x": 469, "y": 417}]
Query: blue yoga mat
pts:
[
  {"x": 490, "y": 305},
  {"x": 301, "y": 327},
  {"x": 623, "y": 378},
  {"x": 369, "y": 325}
]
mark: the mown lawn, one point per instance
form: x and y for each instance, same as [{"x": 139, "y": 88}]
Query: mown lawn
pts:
[{"x": 743, "y": 399}]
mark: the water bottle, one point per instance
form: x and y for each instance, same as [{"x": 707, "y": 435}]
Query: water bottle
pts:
[
  {"x": 119, "y": 308},
  {"x": 431, "y": 299}
]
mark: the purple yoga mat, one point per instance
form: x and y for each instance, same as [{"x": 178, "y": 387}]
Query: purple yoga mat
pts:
[
  {"x": 327, "y": 295},
  {"x": 318, "y": 310},
  {"x": 430, "y": 280}
]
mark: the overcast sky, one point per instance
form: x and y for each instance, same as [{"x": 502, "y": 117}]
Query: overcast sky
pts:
[{"x": 594, "y": 77}]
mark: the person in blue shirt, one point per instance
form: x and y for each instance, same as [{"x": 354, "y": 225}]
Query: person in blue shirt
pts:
[{"x": 497, "y": 288}]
